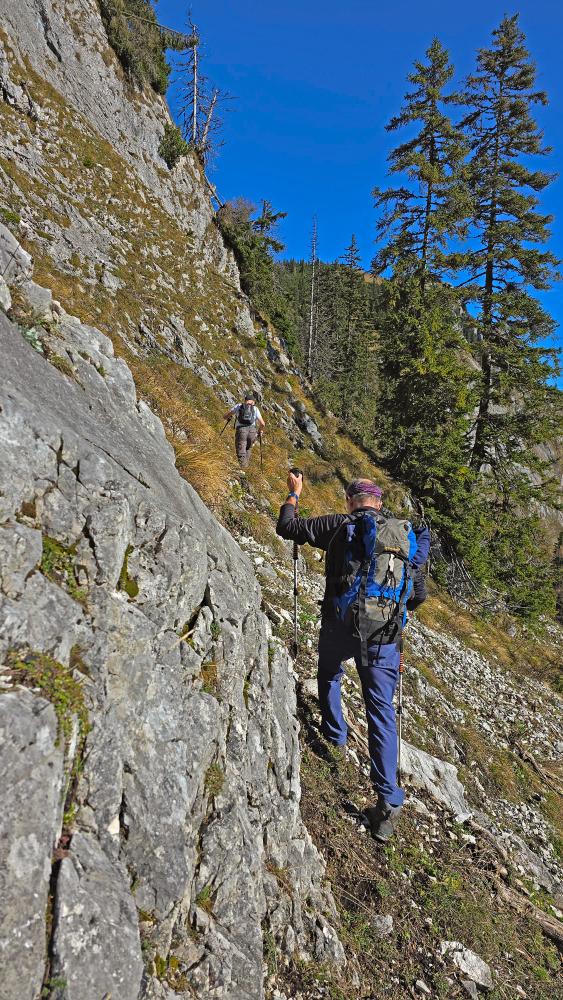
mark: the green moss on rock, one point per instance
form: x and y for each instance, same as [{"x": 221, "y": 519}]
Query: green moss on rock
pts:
[{"x": 58, "y": 564}]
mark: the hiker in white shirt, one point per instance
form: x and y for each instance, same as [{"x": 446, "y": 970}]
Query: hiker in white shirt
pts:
[{"x": 249, "y": 425}]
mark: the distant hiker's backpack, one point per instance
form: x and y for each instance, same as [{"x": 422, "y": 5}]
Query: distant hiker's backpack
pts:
[
  {"x": 373, "y": 574},
  {"x": 246, "y": 415}
]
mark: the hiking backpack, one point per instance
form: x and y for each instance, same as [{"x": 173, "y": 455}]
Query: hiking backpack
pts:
[
  {"x": 246, "y": 415},
  {"x": 374, "y": 579}
]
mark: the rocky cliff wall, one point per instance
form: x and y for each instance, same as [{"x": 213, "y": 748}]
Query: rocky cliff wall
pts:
[
  {"x": 123, "y": 600},
  {"x": 65, "y": 43}
]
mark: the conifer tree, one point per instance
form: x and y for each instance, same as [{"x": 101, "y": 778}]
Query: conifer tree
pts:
[
  {"x": 424, "y": 393},
  {"x": 419, "y": 216},
  {"x": 504, "y": 264},
  {"x": 425, "y": 398},
  {"x": 354, "y": 334}
]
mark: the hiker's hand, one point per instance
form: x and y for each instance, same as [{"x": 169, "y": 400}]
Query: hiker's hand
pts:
[{"x": 294, "y": 483}]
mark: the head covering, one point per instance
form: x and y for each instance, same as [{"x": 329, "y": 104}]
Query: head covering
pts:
[
  {"x": 363, "y": 487},
  {"x": 248, "y": 395}
]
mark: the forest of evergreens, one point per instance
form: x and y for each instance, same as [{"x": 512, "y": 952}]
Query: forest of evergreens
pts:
[{"x": 438, "y": 360}]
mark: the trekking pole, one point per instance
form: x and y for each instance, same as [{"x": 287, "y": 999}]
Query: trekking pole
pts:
[
  {"x": 400, "y": 714},
  {"x": 228, "y": 420},
  {"x": 295, "y": 593},
  {"x": 260, "y": 439},
  {"x": 294, "y": 648}
]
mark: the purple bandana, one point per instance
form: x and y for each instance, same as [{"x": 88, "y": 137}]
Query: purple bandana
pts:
[{"x": 365, "y": 487}]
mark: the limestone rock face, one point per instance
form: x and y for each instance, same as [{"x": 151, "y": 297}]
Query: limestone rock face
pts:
[
  {"x": 188, "y": 842},
  {"x": 437, "y": 777},
  {"x": 31, "y": 774}
]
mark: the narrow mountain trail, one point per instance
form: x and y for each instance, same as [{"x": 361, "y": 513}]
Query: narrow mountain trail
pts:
[
  {"x": 195, "y": 837},
  {"x": 482, "y": 823}
]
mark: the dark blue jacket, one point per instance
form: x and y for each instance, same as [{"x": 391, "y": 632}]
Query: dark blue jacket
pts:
[{"x": 318, "y": 531}]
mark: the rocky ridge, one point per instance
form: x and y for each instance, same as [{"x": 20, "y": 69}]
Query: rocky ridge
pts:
[
  {"x": 186, "y": 843},
  {"x": 132, "y": 249}
]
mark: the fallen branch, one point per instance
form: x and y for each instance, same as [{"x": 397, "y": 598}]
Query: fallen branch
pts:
[
  {"x": 491, "y": 839},
  {"x": 552, "y": 927},
  {"x": 550, "y": 779}
]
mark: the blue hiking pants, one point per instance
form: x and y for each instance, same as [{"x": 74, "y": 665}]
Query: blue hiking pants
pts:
[{"x": 379, "y": 680}]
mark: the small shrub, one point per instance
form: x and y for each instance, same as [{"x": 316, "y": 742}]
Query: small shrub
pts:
[
  {"x": 172, "y": 145},
  {"x": 56, "y": 683},
  {"x": 10, "y": 218},
  {"x": 160, "y": 966},
  {"x": 126, "y": 582},
  {"x": 204, "y": 899},
  {"x": 57, "y": 564},
  {"x": 269, "y": 952},
  {"x": 62, "y": 364},
  {"x": 32, "y": 335},
  {"x": 209, "y": 677},
  {"x": 138, "y": 41},
  {"x": 53, "y": 984},
  {"x": 214, "y": 779}
]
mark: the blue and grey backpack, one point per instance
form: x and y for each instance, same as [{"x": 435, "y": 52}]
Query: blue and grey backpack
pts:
[{"x": 374, "y": 580}]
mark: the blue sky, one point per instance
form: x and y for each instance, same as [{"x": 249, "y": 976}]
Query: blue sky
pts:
[{"x": 316, "y": 82}]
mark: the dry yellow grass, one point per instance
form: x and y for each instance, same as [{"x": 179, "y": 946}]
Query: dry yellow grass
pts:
[{"x": 201, "y": 457}]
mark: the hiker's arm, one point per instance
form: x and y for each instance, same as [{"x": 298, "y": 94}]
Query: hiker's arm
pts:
[
  {"x": 316, "y": 531},
  {"x": 419, "y": 591},
  {"x": 259, "y": 420},
  {"x": 230, "y": 413},
  {"x": 423, "y": 546}
]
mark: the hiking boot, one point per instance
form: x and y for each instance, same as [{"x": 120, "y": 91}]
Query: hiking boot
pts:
[{"x": 382, "y": 819}]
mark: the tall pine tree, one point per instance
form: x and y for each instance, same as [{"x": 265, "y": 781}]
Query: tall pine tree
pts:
[
  {"x": 419, "y": 216},
  {"x": 503, "y": 263},
  {"x": 424, "y": 360}
]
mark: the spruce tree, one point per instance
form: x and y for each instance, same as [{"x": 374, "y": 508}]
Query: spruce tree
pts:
[
  {"x": 503, "y": 263},
  {"x": 425, "y": 393},
  {"x": 419, "y": 216},
  {"x": 425, "y": 399}
]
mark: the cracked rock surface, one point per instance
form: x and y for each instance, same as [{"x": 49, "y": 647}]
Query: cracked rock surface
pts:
[{"x": 188, "y": 843}]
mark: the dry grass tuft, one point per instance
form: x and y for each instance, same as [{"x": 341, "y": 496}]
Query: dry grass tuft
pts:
[{"x": 200, "y": 457}]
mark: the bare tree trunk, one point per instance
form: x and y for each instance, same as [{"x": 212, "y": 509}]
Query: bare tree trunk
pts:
[
  {"x": 479, "y": 451},
  {"x": 312, "y": 300},
  {"x": 208, "y": 121},
  {"x": 194, "y": 103}
]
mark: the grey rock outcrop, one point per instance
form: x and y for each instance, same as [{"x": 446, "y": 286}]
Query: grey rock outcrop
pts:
[
  {"x": 307, "y": 424},
  {"x": 437, "y": 777},
  {"x": 31, "y": 774},
  {"x": 188, "y": 842},
  {"x": 468, "y": 962}
]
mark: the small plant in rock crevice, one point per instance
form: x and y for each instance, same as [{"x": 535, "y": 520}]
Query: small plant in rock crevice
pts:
[
  {"x": 126, "y": 582},
  {"x": 214, "y": 780},
  {"x": 56, "y": 683},
  {"x": 204, "y": 899},
  {"x": 172, "y": 146},
  {"x": 58, "y": 565},
  {"x": 209, "y": 678}
]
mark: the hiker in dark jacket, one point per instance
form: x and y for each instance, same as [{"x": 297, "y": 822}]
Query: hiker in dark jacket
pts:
[
  {"x": 249, "y": 424},
  {"x": 339, "y": 641}
]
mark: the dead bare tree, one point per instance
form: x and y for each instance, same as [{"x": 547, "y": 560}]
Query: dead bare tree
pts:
[
  {"x": 199, "y": 102},
  {"x": 312, "y": 302}
]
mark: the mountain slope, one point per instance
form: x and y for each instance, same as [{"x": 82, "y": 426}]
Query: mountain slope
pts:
[{"x": 131, "y": 249}]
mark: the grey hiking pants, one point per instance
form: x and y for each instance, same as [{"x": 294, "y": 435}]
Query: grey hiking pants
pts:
[{"x": 244, "y": 439}]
